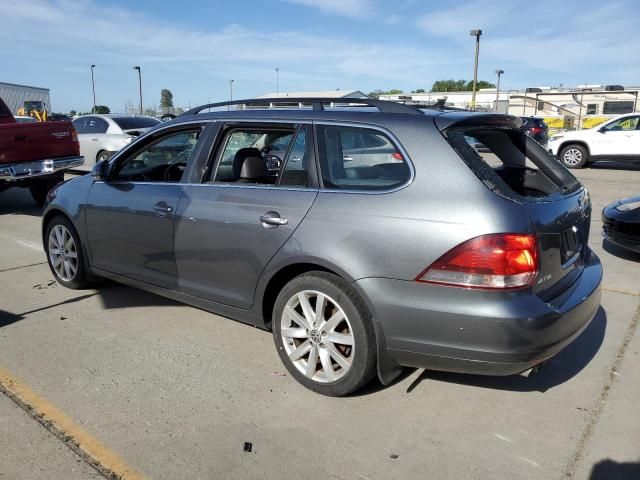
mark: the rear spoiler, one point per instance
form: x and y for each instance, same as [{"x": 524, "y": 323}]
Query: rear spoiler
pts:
[{"x": 471, "y": 119}]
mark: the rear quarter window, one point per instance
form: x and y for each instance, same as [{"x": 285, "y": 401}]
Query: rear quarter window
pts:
[{"x": 354, "y": 158}]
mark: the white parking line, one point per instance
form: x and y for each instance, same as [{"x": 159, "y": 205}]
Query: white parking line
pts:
[{"x": 25, "y": 243}]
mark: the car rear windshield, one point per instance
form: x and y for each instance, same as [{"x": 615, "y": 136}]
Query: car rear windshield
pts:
[
  {"x": 511, "y": 163},
  {"x": 129, "y": 123}
]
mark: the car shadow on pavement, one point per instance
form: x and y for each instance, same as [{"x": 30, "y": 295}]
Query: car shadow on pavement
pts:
[
  {"x": 114, "y": 295},
  {"x": 620, "y": 252},
  {"x": 18, "y": 201},
  {"x": 556, "y": 371},
  {"x": 7, "y": 318},
  {"x": 613, "y": 165},
  {"x": 610, "y": 470}
]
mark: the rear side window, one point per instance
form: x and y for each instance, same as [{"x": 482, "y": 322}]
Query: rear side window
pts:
[
  {"x": 95, "y": 125},
  {"x": 354, "y": 158},
  {"x": 511, "y": 163}
]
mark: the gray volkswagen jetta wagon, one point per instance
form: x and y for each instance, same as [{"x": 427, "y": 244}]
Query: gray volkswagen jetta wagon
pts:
[{"x": 366, "y": 236}]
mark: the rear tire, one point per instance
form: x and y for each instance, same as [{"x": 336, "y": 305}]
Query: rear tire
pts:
[
  {"x": 39, "y": 188},
  {"x": 64, "y": 253},
  {"x": 331, "y": 350},
  {"x": 574, "y": 156}
]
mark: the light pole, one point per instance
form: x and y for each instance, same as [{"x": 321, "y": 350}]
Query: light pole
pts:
[
  {"x": 498, "y": 72},
  {"x": 230, "y": 93},
  {"x": 93, "y": 88},
  {"x": 139, "y": 84},
  {"x": 477, "y": 34},
  {"x": 277, "y": 80}
]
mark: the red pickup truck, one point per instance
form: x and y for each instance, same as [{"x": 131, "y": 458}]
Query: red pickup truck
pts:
[{"x": 35, "y": 155}]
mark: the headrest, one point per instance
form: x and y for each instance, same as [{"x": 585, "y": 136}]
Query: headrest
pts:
[{"x": 239, "y": 158}]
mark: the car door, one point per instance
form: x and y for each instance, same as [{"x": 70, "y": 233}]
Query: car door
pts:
[
  {"x": 618, "y": 139},
  {"x": 228, "y": 228},
  {"x": 90, "y": 130},
  {"x": 130, "y": 214}
]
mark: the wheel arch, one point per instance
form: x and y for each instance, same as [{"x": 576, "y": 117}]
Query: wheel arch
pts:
[
  {"x": 283, "y": 276},
  {"x": 566, "y": 143}
]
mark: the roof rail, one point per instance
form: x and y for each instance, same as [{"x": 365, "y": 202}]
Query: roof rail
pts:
[{"x": 383, "y": 106}]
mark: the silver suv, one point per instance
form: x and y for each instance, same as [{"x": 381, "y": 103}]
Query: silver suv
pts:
[{"x": 365, "y": 236}]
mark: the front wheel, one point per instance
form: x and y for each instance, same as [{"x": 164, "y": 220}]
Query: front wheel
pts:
[
  {"x": 324, "y": 334},
  {"x": 574, "y": 156},
  {"x": 64, "y": 253}
]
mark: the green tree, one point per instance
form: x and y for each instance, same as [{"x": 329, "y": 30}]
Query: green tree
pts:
[
  {"x": 101, "y": 109},
  {"x": 166, "y": 100},
  {"x": 419, "y": 90},
  {"x": 459, "y": 85},
  {"x": 479, "y": 85},
  {"x": 72, "y": 113}
]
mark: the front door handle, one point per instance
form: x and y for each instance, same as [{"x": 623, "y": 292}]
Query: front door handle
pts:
[
  {"x": 272, "y": 219},
  {"x": 162, "y": 209},
  {"x": 347, "y": 158}
]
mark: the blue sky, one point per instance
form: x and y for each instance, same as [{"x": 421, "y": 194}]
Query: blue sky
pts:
[{"x": 193, "y": 47}]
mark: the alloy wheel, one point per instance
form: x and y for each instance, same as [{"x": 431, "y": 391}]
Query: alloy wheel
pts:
[
  {"x": 63, "y": 253},
  {"x": 572, "y": 156},
  {"x": 317, "y": 336}
]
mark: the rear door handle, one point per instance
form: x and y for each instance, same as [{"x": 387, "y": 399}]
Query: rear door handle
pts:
[
  {"x": 272, "y": 219},
  {"x": 347, "y": 158},
  {"x": 162, "y": 209},
  {"x": 94, "y": 139}
]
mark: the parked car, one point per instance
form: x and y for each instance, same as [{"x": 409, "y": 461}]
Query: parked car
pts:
[
  {"x": 35, "y": 155},
  {"x": 437, "y": 261},
  {"x": 536, "y": 128},
  {"x": 621, "y": 223},
  {"x": 617, "y": 139},
  {"x": 102, "y": 135}
]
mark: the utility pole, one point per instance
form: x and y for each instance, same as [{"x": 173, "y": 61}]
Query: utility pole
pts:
[
  {"x": 93, "y": 88},
  {"x": 139, "y": 85},
  {"x": 277, "y": 80},
  {"x": 230, "y": 93},
  {"x": 477, "y": 34},
  {"x": 498, "y": 72}
]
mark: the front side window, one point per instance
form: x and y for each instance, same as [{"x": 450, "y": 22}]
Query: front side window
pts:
[
  {"x": 131, "y": 123},
  {"x": 623, "y": 125},
  {"x": 354, "y": 158},
  {"x": 78, "y": 124},
  {"x": 164, "y": 160}
]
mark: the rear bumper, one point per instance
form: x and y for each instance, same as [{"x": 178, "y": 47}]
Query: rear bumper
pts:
[
  {"x": 474, "y": 331},
  {"x": 19, "y": 171}
]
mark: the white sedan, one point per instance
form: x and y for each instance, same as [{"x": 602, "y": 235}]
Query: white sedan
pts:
[
  {"x": 616, "y": 139},
  {"x": 101, "y": 136}
]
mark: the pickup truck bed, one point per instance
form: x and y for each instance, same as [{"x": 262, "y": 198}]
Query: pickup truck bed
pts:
[{"x": 35, "y": 155}]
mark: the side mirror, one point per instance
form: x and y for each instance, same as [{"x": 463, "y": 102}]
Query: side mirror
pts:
[
  {"x": 100, "y": 170},
  {"x": 602, "y": 130}
]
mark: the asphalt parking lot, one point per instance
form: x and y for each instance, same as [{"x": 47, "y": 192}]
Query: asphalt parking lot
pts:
[{"x": 168, "y": 391}]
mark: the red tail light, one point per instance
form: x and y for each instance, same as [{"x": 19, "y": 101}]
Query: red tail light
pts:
[
  {"x": 397, "y": 156},
  {"x": 498, "y": 261},
  {"x": 535, "y": 130},
  {"x": 74, "y": 141}
]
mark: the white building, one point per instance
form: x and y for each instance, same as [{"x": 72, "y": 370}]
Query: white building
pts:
[{"x": 15, "y": 95}]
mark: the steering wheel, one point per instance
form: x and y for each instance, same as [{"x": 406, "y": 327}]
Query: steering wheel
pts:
[{"x": 177, "y": 168}]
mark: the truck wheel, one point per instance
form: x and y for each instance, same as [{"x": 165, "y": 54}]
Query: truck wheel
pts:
[
  {"x": 574, "y": 156},
  {"x": 41, "y": 186},
  {"x": 324, "y": 334},
  {"x": 64, "y": 253}
]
